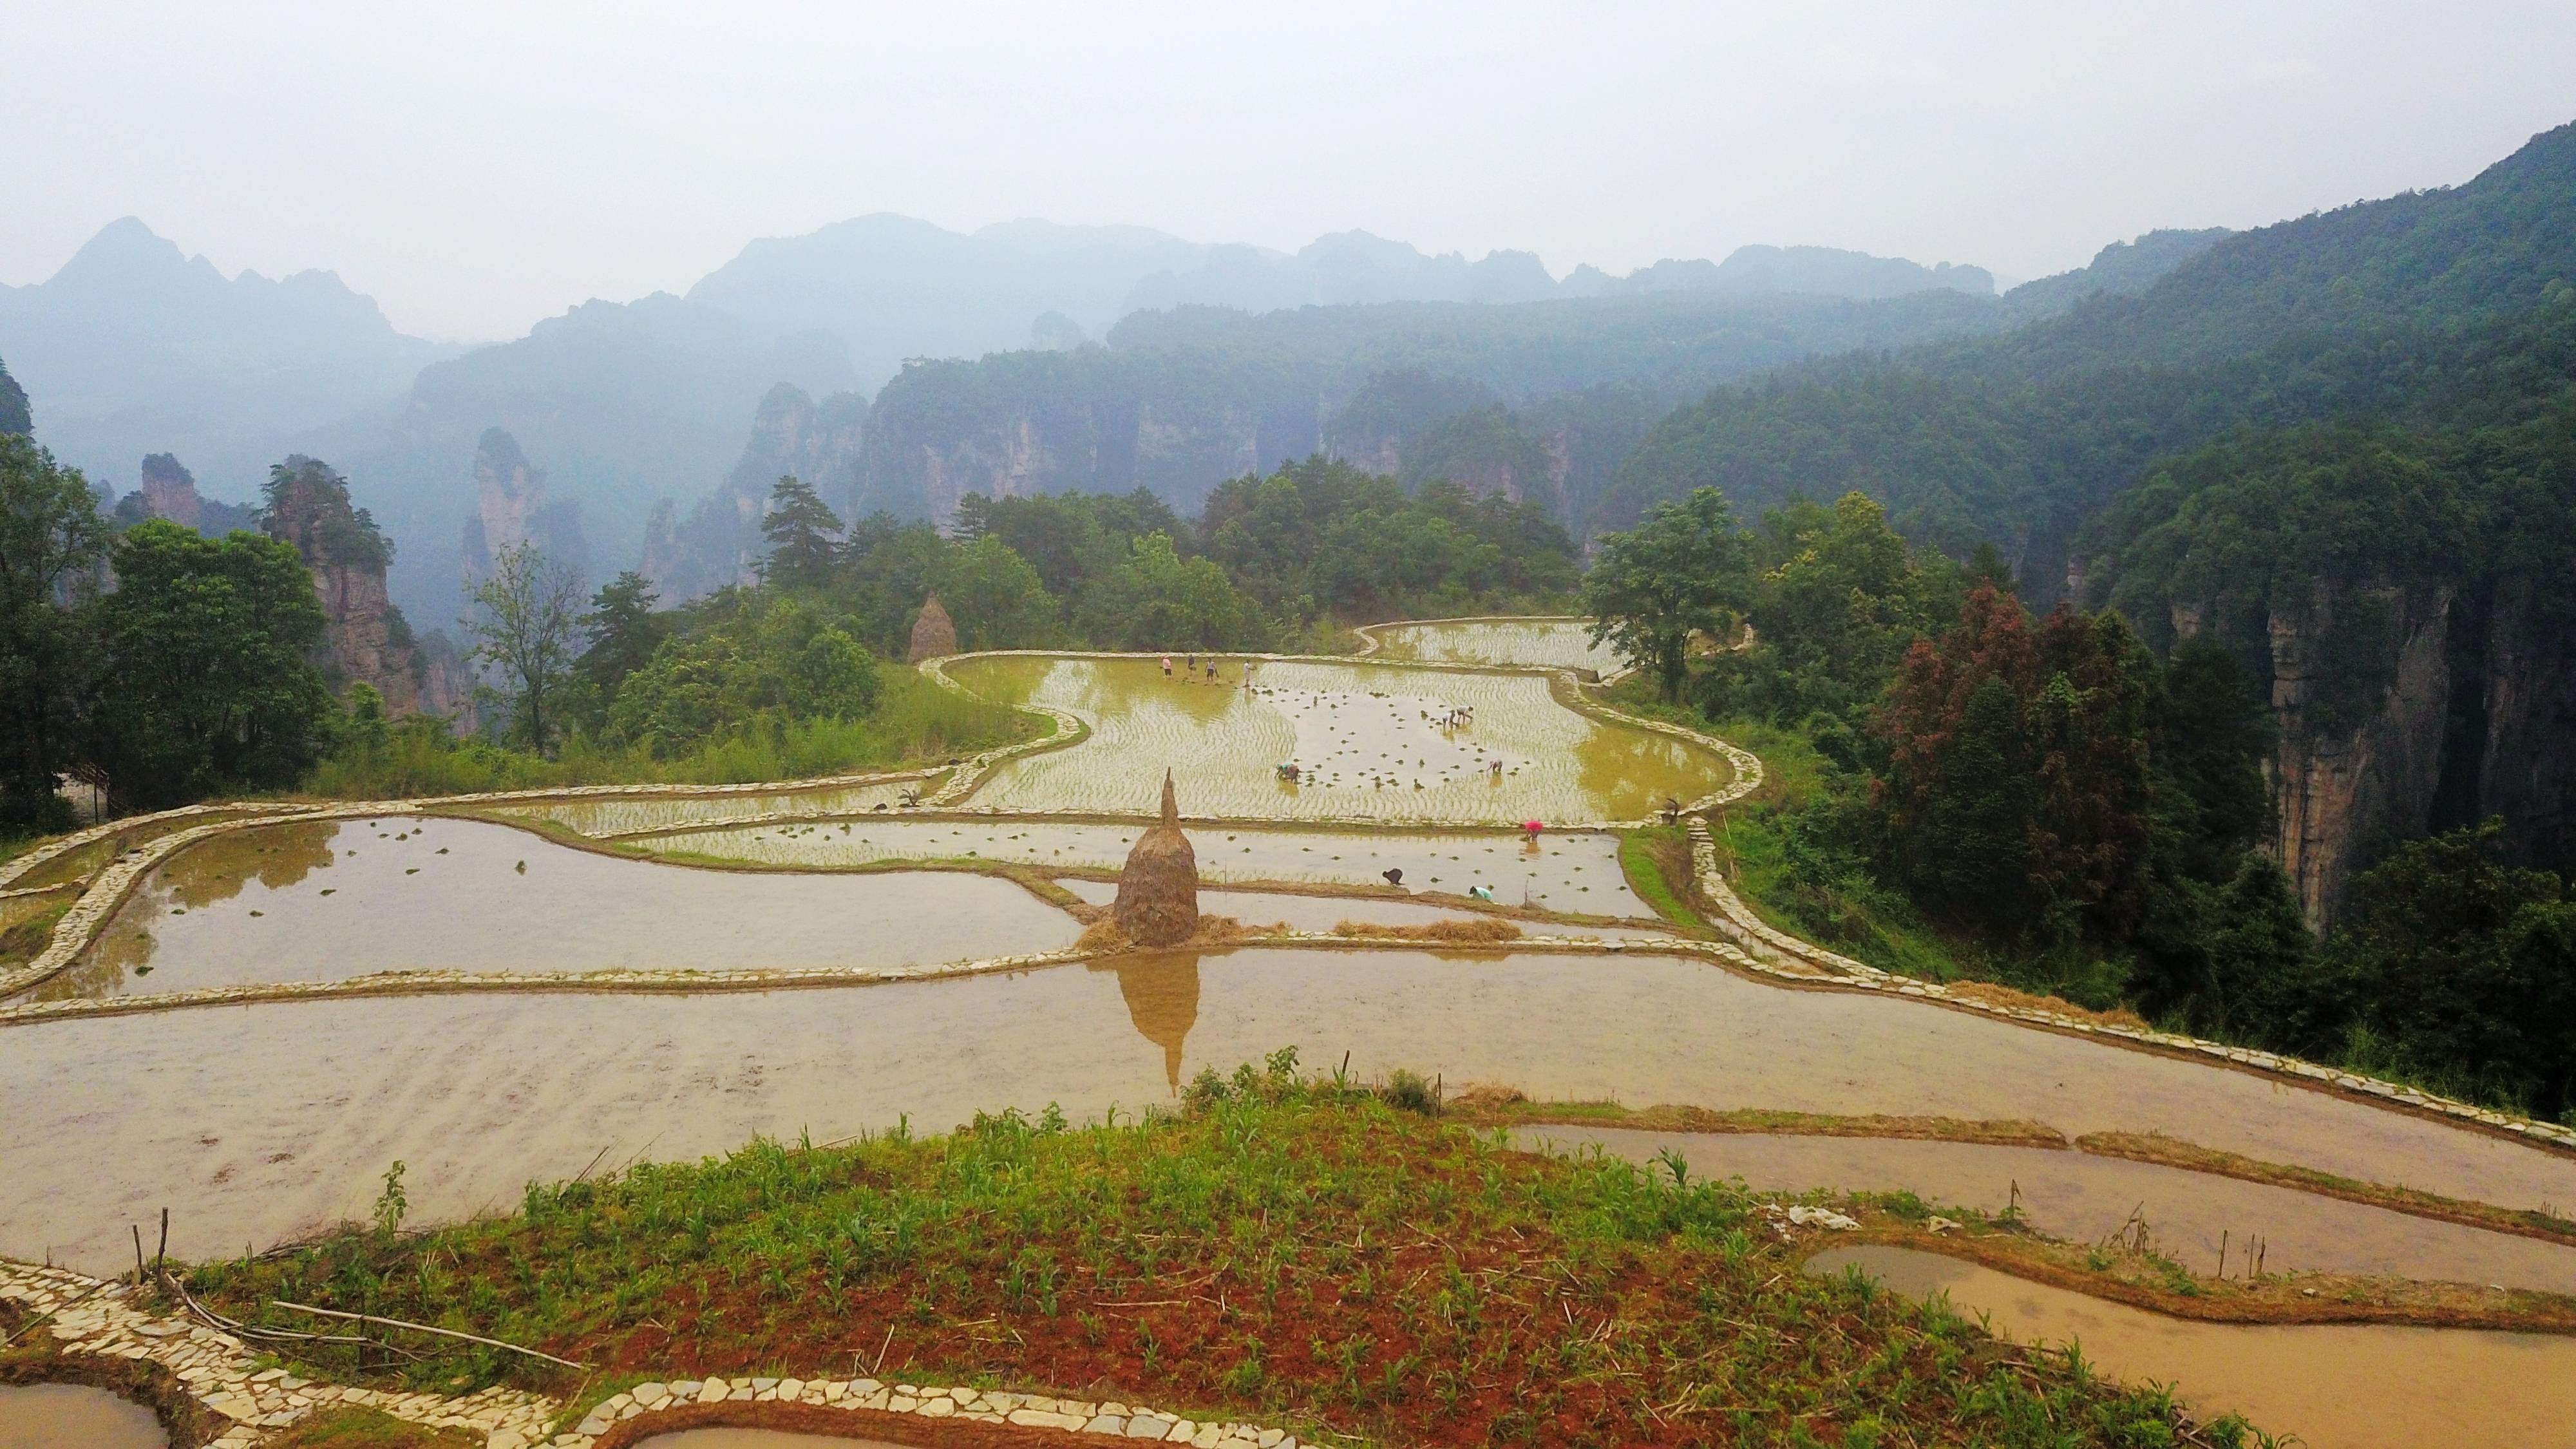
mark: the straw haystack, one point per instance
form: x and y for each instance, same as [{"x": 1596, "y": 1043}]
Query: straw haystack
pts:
[
  {"x": 1158, "y": 892},
  {"x": 934, "y": 634}
]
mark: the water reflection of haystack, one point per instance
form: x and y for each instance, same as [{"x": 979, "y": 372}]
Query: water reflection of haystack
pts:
[{"x": 1162, "y": 991}]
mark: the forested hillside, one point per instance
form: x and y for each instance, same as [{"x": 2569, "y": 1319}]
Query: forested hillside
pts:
[{"x": 2338, "y": 449}]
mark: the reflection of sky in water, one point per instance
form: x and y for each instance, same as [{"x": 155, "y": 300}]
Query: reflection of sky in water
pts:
[
  {"x": 1576, "y": 871},
  {"x": 2336, "y": 1386},
  {"x": 1362, "y": 724},
  {"x": 327, "y": 901},
  {"x": 268, "y": 1120}
]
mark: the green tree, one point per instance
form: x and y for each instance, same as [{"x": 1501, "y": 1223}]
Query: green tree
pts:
[
  {"x": 1159, "y": 600},
  {"x": 522, "y": 626},
  {"x": 51, "y": 539},
  {"x": 1684, "y": 570},
  {"x": 997, "y": 599},
  {"x": 753, "y": 656},
  {"x": 623, "y": 631},
  {"x": 2458, "y": 968},
  {"x": 803, "y": 537},
  {"x": 832, "y": 677},
  {"x": 206, "y": 677},
  {"x": 1839, "y": 598}
]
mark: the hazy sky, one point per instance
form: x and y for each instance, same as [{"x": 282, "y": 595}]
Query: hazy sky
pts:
[{"x": 476, "y": 167}]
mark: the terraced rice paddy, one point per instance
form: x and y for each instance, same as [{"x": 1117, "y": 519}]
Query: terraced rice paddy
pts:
[
  {"x": 1323, "y": 913},
  {"x": 1576, "y": 871},
  {"x": 598, "y": 816},
  {"x": 330, "y": 900},
  {"x": 259, "y": 1122},
  {"x": 1556, "y": 643},
  {"x": 2336, "y": 1386},
  {"x": 2079, "y": 1197},
  {"x": 1367, "y": 741}
]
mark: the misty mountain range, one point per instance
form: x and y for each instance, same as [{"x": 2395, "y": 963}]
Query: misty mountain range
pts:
[{"x": 134, "y": 348}]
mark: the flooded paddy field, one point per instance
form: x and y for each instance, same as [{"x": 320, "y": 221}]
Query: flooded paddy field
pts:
[
  {"x": 2079, "y": 1197},
  {"x": 328, "y": 900},
  {"x": 256, "y": 1122},
  {"x": 2336, "y": 1386},
  {"x": 626, "y": 815},
  {"x": 1572, "y": 871},
  {"x": 1557, "y": 643},
  {"x": 75, "y": 1416},
  {"x": 1323, "y": 913},
  {"x": 1367, "y": 740}
]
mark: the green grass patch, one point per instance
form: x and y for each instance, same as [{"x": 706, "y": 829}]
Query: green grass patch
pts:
[
  {"x": 1655, "y": 860},
  {"x": 916, "y": 722},
  {"x": 1286, "y": 1249}
]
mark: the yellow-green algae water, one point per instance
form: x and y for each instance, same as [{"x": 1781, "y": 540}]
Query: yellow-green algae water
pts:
[
  {"x": 2335, "y": 1386},
  {"x": 1572, "y": 871},
  {"x": 1367, "y": 739},
  {"x": 329, "y": 900},
  {"x": 258, "y": 1122},
  {"x": 1556, "y": 643}
]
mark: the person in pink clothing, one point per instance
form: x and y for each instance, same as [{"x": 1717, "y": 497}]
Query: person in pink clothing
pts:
[{"x": 1167, "y": 666}]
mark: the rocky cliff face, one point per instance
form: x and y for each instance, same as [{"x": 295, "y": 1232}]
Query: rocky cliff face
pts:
[
  {"x": 2347, "y": 773},
  {"x": 168, "y": 490},
  {"x": 2512, "y": 744},
  {"x": 511, "y": 508},
  {"x": 1094, "y": 421},
  {"x": 719, "y": 542},
  {"x": 2404, "y": 710},
  {"x": 366, "y": 639}
]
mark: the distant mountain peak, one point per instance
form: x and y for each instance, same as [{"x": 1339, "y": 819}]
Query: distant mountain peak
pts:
[{"x": 125, "y": 250}]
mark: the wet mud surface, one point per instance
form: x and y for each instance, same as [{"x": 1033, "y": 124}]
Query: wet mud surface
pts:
[
  {"x": 2335, "y": 1386},
  {"x": 2082, "y": 1198},
  {"x": 75, "y": 1416},
  {"x": 254, "y": 1123}
]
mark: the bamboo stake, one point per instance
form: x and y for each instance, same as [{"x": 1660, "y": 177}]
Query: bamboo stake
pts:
[{"x": 367, "y": 1318}]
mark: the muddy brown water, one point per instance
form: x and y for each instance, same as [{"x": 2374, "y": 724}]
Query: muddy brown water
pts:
[
  {"x": 1573, "y": 871},
  {"x": 75, "y": 1416},
  {"x": 2190, "y": 1216},
  {"x": 2336, "y": 1386},
  {"x": 253, "y": 1123},
  {"x": 1323, "y": 913},
  {"x": 324, "y": 901}
]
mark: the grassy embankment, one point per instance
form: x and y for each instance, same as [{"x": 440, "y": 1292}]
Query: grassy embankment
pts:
[
  {"x": 1287, "y": 1250},
  {"x": 915, "y": 723}
]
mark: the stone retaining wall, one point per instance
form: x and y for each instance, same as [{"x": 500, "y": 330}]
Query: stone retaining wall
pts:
[{"x": 91, "y": 1316}]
